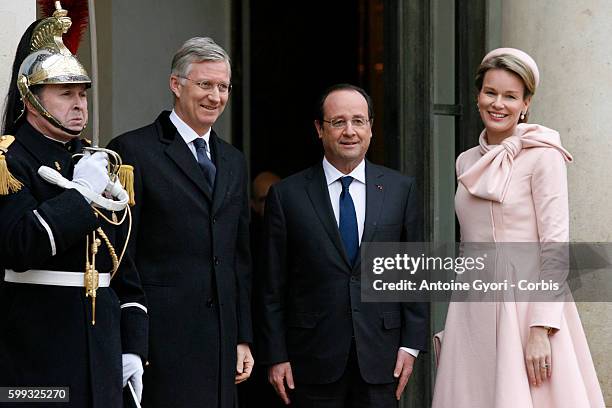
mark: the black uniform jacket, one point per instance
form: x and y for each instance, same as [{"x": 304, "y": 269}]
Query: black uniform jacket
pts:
[
  {"x": 192, "y": 252},
  {"x": 312, "y": 295},
  {"x": 46, "y": 334}
]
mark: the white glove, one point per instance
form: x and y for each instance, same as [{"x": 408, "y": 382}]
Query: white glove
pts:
[
  {"x": 91, "y": 172},
  {"x": 132, "y": 372}
]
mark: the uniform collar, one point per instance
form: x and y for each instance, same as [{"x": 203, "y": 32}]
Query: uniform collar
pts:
[{"x": 47, "y": 151}]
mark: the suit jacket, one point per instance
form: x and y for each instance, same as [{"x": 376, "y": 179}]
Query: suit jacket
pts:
[
  {"x": 192, "y": 252},
  {"x": 46, "y": 335},
  {"x": 311, "y": 296}
]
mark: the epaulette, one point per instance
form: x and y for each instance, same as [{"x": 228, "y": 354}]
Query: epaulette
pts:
[
  {"x": 126, "y": 178},
  {"x": 8, "y": 183}
]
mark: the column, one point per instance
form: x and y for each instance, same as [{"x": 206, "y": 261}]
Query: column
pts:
[{"x": 570, "y": 42}]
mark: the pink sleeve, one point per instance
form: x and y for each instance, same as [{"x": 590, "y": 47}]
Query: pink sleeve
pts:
[
  {"x": 550, "y": 199},
  {"x": 459, "y": 164}
]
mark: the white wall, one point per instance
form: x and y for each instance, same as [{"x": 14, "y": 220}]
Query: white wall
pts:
[
  {"x": 145, "y": 35},
  {"x": 15, "y": 17}
]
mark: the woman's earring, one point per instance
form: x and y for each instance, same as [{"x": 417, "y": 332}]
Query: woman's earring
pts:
[{"x": 522, "y": 115}]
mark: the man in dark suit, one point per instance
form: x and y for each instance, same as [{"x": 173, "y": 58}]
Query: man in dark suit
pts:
[
  {"x": 318, "y": 338},
  {"x": 191, "y": 243}
]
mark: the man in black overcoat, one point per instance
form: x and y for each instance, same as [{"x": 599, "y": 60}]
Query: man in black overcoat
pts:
[
  {"x": 323, "y": 345},
  {"x": 191, "y": 241}
]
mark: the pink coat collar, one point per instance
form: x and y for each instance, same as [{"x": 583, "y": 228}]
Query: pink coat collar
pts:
[{"x": 490, "y": 176}]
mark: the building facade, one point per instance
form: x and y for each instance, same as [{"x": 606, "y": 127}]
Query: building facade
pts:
[{"x": 417, "y": 58}]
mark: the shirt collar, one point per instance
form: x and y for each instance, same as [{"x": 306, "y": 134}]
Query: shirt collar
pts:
[
  {"x": 333, "y": 174},
  {"x": 187, "y": 133}
]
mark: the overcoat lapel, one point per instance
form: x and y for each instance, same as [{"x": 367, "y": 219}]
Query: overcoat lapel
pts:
[
  {"x": 178, "y": 152},
  {"x": 223, "y": 175}
]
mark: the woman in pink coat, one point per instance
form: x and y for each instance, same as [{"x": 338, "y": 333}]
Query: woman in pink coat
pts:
[{"x": 513, "y": 188}]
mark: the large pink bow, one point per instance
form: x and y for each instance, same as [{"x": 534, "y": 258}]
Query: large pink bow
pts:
[{"x": 490, "y": 176}]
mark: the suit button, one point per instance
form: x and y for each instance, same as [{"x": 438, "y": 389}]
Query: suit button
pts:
[
  {"x": 209, "y": 302},
  {"x": 214, "y": 220},
  {"x": 353, "y": 279},
  {"x": 216, "y": 261}
]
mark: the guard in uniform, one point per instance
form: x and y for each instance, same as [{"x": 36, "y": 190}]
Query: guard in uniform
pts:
[{"x": 72, "y": 309}]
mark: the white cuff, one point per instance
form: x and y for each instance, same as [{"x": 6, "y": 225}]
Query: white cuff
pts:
[
  {"x": 134, "y": 304},
  {"x": 410, "y": 351}
]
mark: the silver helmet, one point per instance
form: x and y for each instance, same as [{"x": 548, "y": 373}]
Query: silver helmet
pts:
[{"x": 50, "y": 62}]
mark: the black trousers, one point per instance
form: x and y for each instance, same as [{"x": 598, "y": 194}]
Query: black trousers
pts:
[{"x": 350, "y": 391}]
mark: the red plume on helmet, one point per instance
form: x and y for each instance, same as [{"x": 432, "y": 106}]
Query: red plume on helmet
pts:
[{"x": 79, "y": 14}]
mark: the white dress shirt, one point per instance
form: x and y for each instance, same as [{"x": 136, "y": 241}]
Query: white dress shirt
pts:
[
  {"x": 189, "y": 135},
  {"x": 357, "y": 190}
]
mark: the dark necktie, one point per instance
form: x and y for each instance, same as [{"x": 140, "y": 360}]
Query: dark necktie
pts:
[
  {"x": 205, "y": 163},
  {"x": 348, "y": 221}
]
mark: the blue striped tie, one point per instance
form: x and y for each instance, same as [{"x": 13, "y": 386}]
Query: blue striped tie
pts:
[{"x": 205, "y": 163}]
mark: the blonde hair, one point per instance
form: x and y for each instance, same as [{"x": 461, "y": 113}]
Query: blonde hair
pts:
[{"x": 513, "y": 65}]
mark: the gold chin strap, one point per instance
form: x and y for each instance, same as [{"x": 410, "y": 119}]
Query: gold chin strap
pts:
[{"x": 50, "y": 62}]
